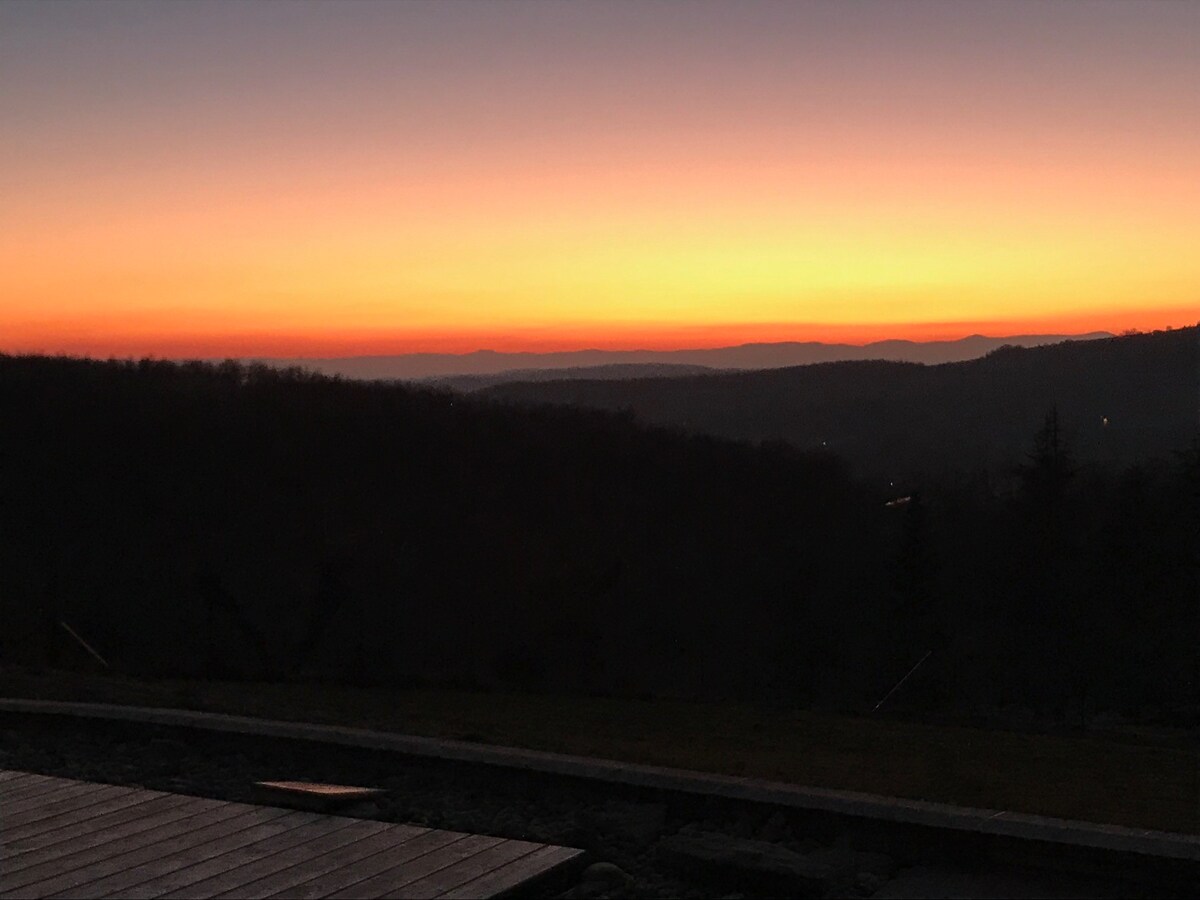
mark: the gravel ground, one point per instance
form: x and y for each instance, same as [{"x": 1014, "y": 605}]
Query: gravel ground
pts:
[
  {"x": 614, "y": 825},
  {"x": 624, "y": 826}
]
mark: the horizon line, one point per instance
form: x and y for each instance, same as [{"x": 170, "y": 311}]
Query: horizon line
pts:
[
  {"x": 1098, "y": 333},
  {"x": 649, "y": 338}
]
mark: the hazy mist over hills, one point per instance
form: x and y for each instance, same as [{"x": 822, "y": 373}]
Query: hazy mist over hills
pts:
[
  {"x": 413, "y": 366},
  {"x": 612, "y": 372}
]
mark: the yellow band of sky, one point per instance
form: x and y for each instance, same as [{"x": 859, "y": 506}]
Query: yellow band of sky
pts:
[{"x": 364, "y": 199}]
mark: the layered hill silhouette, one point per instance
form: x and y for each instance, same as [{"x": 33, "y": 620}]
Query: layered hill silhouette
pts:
[
  {"x": 416, "y": 366},
  {"x": 1120, "y": 399},
  {"x": 245, "y": 523}
]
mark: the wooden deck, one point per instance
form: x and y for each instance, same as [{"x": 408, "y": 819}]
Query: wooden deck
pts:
[{"x": 78, "y": 839}]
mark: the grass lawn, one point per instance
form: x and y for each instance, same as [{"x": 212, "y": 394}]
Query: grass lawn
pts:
[{"x": 1148, "y": 783}]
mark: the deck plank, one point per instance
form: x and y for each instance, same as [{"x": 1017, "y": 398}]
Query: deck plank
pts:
[
  {"x": 541, "y": 861},
  {"x": 106, "y": 814},
  {"x": 251, "y": 872},
  {"x": 20, "y": 780},
  {"x": 14, "y": 775},
  {"x": 59, "y": 805},
  {"x": 223, "y": 859},
  {"x": 434, "y": 866},
  {"x": 103, "y": 860},
  {"x": 61, "y": 837},
  {"x": 123, "y": 825},
  {"x": 28, "y": 797},
  {"x": 389, "y": 858},
  {"x": 246, "y": 826},
  {"x": 468, "y": 869},
  {"x": 286, "y": 881}
]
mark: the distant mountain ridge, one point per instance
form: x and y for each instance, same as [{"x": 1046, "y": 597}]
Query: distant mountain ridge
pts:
[
  {"x": 1120, "y": 400},
  {"x": 612, "y": 372},
  {"x": 419, "y": 366}
]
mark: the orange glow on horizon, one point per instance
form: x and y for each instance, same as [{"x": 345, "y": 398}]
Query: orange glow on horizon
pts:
[
  {"x": 215, "y": 180},
  {"x": 326, "y": 343}
]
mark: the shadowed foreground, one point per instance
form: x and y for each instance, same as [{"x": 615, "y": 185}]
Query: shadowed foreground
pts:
[
  {"x": 71, "y": 838},
  {"x": 1141, "y": 778}
]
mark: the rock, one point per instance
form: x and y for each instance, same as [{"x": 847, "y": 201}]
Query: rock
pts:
[
  {"x": 738, "y": 863},
  {"x": 848, "y": 863},
  {"x": 743, "y": 829},
  {"x": 589, "y": 890},
  {"x": 607, "y": 874},
  {"x": 641, "y": 823},
  {"x": 602, "y": 879},
  {"x": 169, "y": 745},
  {"x": 867, "y": 884},
  {"x": 775, "y": 829}
]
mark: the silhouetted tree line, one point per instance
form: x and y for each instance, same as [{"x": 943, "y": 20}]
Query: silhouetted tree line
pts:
[{"x": 241, "y": 522}]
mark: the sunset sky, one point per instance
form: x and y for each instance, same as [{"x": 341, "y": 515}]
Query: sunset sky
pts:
[{"x": 304, "y": 179}]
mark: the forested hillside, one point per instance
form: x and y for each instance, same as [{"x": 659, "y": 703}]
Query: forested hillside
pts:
[
  {"x": 242, "y": 522},
  {"x": 1120, "y": 400}
]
